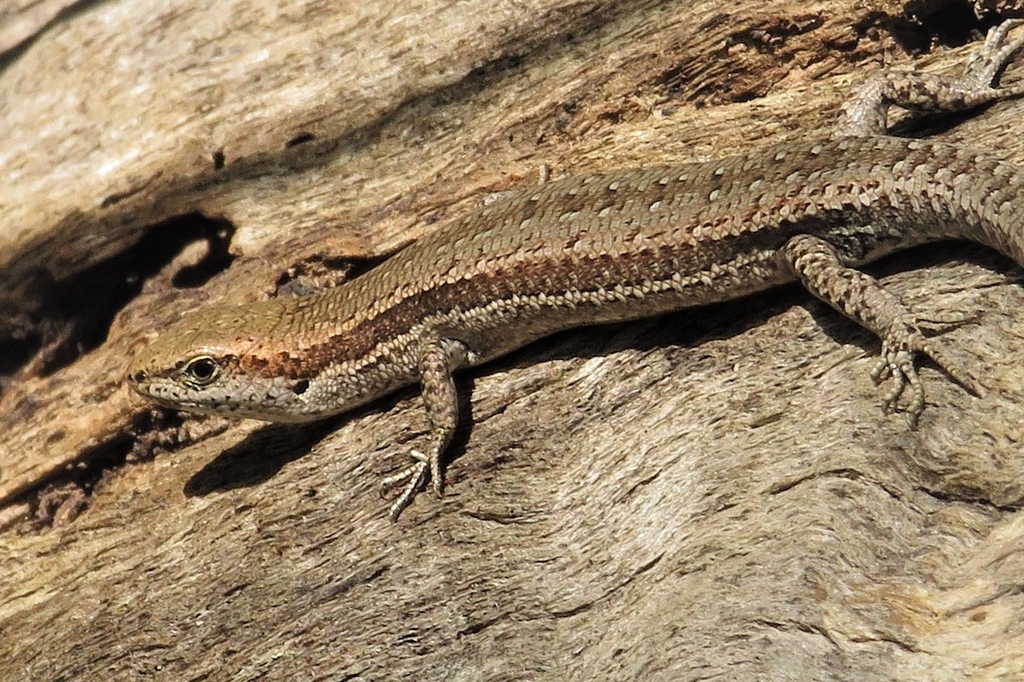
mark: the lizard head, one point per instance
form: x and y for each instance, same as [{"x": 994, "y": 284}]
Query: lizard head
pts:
[{"x": 221, "y": 360}]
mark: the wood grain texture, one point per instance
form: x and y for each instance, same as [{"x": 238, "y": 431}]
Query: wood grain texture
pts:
[
  {"x": 709, "y": 493},
  {"x": 22, "y": 21}
]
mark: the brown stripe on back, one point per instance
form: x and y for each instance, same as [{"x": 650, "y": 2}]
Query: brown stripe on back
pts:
[{"x": 588, "y": 273}]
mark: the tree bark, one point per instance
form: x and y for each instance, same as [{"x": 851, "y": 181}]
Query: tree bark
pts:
[{"x": 714, "y": 493}]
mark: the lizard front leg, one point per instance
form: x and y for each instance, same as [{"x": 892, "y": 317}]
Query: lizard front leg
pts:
[{"x": 437, "y": 361}]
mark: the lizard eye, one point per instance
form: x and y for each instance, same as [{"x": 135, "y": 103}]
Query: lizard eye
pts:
[{"x": 201, "y": 370}]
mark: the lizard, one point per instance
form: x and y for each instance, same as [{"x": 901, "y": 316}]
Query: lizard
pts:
[{"x": 618, "y": 246}]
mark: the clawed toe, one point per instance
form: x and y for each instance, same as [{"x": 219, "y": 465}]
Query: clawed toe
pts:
[
  {"x": 897, "y": 362},
  {"x": 415, "y": 478}
]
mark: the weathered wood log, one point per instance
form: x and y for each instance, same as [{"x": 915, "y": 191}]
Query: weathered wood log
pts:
[{"x": 713, "y": 493}]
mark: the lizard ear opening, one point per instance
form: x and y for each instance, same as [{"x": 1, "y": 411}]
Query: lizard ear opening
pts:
[{"x": 201, "y": 370}]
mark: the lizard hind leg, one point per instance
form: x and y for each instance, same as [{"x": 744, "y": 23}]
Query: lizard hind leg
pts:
[
  {"x": 865, "y": 111},
  {"x": 863, "y": 299}
]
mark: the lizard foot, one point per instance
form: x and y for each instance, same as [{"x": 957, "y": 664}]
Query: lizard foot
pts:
[
  {"x": 415, "y": 477},
  {"x": 897, "y": 362},
  {"x": 986, "y": 63}
]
